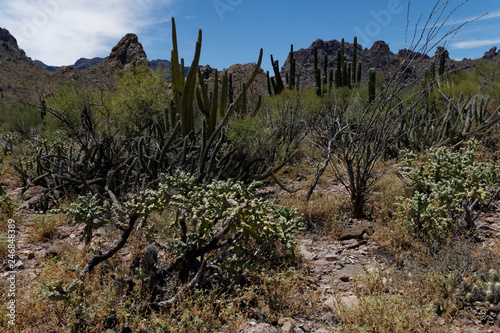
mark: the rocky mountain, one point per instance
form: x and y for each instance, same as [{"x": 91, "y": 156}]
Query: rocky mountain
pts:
[
  {"x": 21, "y": 79},
  {"x": 155, "y": 64},
  {"x": 127, "y": 52},
  {"x": 379, "y": 56},
  {"x": 82, "y": 63},
  {"x": 9, "y": 46}
]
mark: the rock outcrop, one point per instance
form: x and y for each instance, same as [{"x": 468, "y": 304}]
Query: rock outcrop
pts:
[
  {"x": 8, "y": 44},
  {"x": 128, "y": 51},
  {"x": 492, "y": 53},
  {"x": 409, "y": 63}
]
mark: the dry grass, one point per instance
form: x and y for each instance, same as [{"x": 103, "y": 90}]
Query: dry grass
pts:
[
  {"x": 324, "y": 212},
  {"x": 44, "y": 227},
  {"x": 288, "y": 293}
]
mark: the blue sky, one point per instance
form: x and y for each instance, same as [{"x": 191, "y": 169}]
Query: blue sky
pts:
[{"x": 58, "y": 32}]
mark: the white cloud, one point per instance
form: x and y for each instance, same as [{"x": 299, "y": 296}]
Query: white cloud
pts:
[
  {"x": 58, "y": 32},
  {"x": 474, "y": 43},
  {"x": 482, "y": 17}
]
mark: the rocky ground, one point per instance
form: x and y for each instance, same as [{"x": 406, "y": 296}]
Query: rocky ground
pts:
[{"x": 334, "y": 264}]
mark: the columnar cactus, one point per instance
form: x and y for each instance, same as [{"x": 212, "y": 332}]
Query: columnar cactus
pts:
[
  {"x": 371, "y": 85},
  {"x": 278, "y": 81},
  {"x": 317, "y": 75},
  {"x": 292, "y": 69},
  {"x": 442, "y": 61},
  {"x": 354, "y": 60}
]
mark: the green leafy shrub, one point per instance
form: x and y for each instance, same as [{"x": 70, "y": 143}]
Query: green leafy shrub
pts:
[{"x": 448, "y": 190}]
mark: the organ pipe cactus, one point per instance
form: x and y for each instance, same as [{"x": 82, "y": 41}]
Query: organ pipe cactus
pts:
[
  {"x": 465, "y": 119},
  {"x": 184, "y": 88},
  {"x": 371, "y": 85},
  {"x": 317, "y": 74}
]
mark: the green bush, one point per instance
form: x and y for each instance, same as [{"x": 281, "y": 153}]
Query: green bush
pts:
[
  {"x": 20, "y": 118},
  {"x": 448, "y": 190}
]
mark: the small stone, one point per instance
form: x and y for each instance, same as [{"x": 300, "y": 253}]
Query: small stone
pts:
[
  {"x": 321, "y": 263},
  {"x": 330, "y": 305},
  {"x": 321, "y": 330},
  {"x": 33, "y": 192},
  {"x": 306, "y": 254},
  {"x": 287, "y": 327},
  {"x": 261, "y": 328},
  {"x": 349, "y": 301},
  {"x": 64, "y": 234},
  {"x": 350, "y": 243},
  {"x": 19, "y": 265},
  {"x": 491, "y": 219},
  {"x": 345, "y": 278},
  {"x": 52, "y": 251},
  {"x": 332, "y": 257},
  {"x": 28, "y": 254}
]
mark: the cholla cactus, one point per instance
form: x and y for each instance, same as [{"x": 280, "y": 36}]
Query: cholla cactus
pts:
[
  {"x": 447, "y": 189},
  {"x": 485, "y": 287}
]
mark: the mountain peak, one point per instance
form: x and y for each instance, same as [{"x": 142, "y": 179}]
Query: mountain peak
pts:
[
  {"x": 9, "y": 44},
  {"x": 128, "y": 51}
]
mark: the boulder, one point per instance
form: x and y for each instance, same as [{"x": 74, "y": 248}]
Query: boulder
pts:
[
  {"x": 261, "y": 328},
  {"x": 355, "y": 232}
]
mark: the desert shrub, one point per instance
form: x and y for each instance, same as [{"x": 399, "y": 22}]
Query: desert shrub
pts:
[
  {"x": 448, "y": 190},
  {"x": 251, "y": 138},
  {"x": 20, "y": 118},
  {"x": 140, "y": 97}
]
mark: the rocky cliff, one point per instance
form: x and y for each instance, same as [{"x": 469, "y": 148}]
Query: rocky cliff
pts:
[
  {"x": 128, "y": 51},
  {"x": 8, "y": 46}
]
